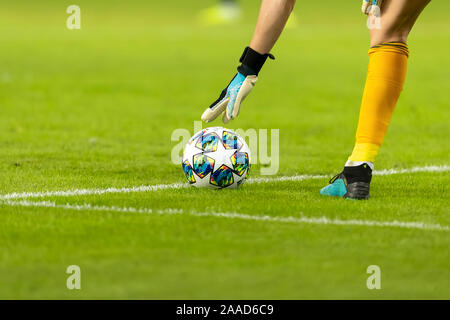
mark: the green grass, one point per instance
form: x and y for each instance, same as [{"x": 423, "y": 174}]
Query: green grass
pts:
[{"x": 95, "y": 108}]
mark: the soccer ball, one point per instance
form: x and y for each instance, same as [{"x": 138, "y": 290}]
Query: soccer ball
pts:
[{"x": 216, "y": 158}]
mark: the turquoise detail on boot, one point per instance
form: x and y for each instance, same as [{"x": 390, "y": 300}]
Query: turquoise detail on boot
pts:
[{"x": 336, "y": 189}]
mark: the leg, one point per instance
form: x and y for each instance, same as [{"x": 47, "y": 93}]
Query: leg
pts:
[
  {"x": 388, "y": 58},
  {"x": 397, "y": 19}
]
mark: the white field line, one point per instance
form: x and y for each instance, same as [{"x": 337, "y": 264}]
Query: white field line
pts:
[
  {"x": 289, "y": 219},
  {"x": 157, "y": 187},
  {"x": 83, "y": 192},
  {"x": 387, "y": 172}
]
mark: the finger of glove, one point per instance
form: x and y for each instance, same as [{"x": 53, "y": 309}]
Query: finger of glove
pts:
[
  {"x": 227, "y": 114},
  {"x": 369, "y": 6},
  {"x": 375, "y": 8},
  {"x": 232, "y": 104},
  {"x": 245, "y": 89},
  {"x": 365, "y": 6},
  {"x": 225, "y": 118},
  {"x": 232, "y": 93},
  {"x": 213, "y": 112}
]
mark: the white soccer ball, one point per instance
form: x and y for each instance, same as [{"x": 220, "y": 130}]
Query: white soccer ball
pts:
[{"x": 216, "y": 158}]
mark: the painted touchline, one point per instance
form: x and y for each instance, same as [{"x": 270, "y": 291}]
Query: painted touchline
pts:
[
  {"x": 157, "y": 187},
  {"x": 230, "y": 215}
]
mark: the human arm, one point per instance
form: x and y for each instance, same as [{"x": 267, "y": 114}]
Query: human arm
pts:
[{"x": 273, "y": 16}]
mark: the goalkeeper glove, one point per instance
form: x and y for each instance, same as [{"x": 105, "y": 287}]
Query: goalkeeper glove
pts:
[
  {"x": 229, "y": 101},
  {"x": 369, "y": 6}
]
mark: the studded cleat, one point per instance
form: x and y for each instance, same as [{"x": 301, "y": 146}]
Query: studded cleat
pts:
[{"x": 351, "y": 183}]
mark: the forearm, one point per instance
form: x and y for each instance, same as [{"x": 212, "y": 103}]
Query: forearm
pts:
[{"x": 273, "y": 16}]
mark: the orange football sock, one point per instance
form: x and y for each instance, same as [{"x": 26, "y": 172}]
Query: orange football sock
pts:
[{"x": 385, "y": 78}]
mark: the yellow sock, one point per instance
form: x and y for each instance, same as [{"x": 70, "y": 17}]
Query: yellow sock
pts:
[{"x": 385, "y": 78}]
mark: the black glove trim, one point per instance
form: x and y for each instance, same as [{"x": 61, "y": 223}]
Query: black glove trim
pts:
[
  {"x": 252, "y": 61},
  {"x": 222, "y": 95}
]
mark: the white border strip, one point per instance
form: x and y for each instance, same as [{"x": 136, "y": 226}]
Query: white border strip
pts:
[
  {"x": 83, "y": 192},
  {"x": 289, "y": 219}
]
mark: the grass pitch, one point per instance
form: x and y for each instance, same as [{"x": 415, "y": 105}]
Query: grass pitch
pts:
[{"x": 95, "y": 108}]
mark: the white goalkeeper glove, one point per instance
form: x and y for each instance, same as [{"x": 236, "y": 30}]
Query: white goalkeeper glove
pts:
[
  {"x": 229, "y": 101},
  {"x": 369, "y": 7}
]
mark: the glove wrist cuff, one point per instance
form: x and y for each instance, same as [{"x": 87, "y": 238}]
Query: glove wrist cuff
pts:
[{"x": 252, "y": 61}]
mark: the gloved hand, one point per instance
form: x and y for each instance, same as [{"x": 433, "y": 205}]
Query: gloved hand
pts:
[
  {"x": 369, "y": 6},
  {"x": 229, "y": 101}
]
